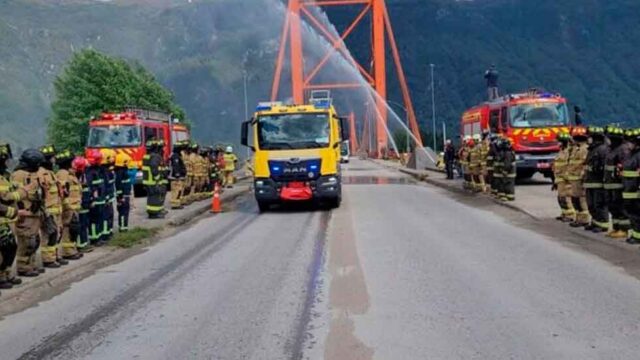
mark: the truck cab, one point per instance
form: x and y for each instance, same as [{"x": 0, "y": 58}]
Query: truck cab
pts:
[
  {"x": 531, "y": 120},
  {"x": 297, "y": 151}
]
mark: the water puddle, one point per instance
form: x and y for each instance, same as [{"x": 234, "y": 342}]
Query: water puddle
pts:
[{"x": 376, "y": 180}]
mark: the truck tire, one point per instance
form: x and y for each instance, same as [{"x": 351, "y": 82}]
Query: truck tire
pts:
[
  {"x": 334, "y": 203},
  {"x": 263, "y": 206}
]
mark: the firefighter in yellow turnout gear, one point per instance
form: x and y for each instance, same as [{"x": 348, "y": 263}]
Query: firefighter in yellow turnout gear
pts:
[
  {"x": 10, "y": 196},
  {"x": 560, "y": 180},
  {"x": 31, "y": 207},
  {"x": 71, "y": 205},
  {"x": 230, "y": 161},
  {"x": 177, "y": 176},
  {"x": 51, "y": 228},
  {"x": 576, "y": 169}
]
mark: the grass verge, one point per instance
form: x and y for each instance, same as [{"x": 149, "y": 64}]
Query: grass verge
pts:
[{"x": 132, "y": 237}]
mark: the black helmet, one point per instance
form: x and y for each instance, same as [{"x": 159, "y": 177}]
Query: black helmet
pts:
[{"x": 32, "y": 159}]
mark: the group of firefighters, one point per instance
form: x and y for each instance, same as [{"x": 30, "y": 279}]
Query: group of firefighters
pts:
[
  {"x": 193, "y": 171},
  {"x": 597, "y": 176},
  {"x": 62, "y": 205},
  {"x": 488, "y": 165}
]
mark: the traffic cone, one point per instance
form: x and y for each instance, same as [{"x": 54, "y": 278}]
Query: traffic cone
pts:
[{"x": 215, "y": 202}]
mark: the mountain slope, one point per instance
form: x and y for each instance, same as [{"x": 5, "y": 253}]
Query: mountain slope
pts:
[{"x": 585, "y": 49}]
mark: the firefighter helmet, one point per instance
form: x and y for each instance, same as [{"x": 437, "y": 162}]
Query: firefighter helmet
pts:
[
  {"x": 48, "y": 151},
  {"x": 579, "y": 132},
  {"x": 94, "y": 157},
  {"x": 229, "y": 149},
  {"x": 79, "y": 164},
  {"x": 64, "y": 155},
  {"x": 32, "y": 159}
]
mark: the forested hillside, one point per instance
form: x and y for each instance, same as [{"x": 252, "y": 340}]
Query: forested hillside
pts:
[{"x": 586, "y": 49}]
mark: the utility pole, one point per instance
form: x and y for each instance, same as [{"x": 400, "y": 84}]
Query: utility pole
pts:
[
  {"x": 433, "y": 107},
  {"x": 444, "y": 134},
  {"x": 246, "y": 105}
]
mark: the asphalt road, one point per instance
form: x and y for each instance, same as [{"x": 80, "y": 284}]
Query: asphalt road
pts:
[{"x": 400, "y": 271}]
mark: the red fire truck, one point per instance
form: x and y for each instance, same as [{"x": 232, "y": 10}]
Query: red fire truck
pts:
[
  {"x": 129, "y": 131},
  {"x": 531, "y": 120}
]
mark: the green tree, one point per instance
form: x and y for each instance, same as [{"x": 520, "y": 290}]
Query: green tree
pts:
[{"x": 94, "y": 82}]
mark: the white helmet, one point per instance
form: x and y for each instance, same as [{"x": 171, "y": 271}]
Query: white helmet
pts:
[{"x": 229, "y": 149}]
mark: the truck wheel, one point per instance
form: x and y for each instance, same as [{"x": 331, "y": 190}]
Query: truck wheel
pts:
[
  {"x": 263, "y": 206},
  {"x": 334, "y": 203}
]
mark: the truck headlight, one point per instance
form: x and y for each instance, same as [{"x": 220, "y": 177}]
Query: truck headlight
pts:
[
  {"x": 518, "y": 157},
  {"x": 259, "y": 183},
  {"x": 331, "y": 181}
]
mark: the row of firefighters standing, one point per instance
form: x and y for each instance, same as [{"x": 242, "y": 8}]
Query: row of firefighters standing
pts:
[
  {"x": 597, "y": 176},
  {"x": 489, "y": 165},
  {"x": 63, "y": 205},
  {"x": 193, "y": 171}
]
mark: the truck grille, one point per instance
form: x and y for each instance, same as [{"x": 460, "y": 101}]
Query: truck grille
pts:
[{"x": 294, "y": 169}]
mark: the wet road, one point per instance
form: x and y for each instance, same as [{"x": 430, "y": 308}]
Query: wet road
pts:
[{"x": 400, "y": 271}]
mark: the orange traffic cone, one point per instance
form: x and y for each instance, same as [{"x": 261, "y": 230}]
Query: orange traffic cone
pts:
[{"x": 215, "y": 202}]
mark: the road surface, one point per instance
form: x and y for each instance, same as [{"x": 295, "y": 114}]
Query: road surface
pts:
[{"x": 400, "y": 271}]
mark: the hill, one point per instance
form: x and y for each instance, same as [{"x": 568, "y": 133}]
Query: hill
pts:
[{"x": 586, "y": 49}]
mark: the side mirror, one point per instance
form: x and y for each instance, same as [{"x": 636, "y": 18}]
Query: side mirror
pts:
[
  {"x": 344, "y": 129},
  {"x": 244, "y": 139}
]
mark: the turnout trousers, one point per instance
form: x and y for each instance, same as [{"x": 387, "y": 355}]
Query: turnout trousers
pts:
[
  {"x": 124, "y": 207},
  {"x": 8, "y": 251},
  {"x": 597, "y": 205}
]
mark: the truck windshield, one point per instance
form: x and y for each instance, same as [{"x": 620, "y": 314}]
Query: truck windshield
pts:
[
  {"x": 114, "y": 136},
  {"x": 293, "y": 131},
  {"x": 539, "y": 115}
]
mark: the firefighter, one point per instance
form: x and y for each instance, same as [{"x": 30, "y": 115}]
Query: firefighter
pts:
[
  {"x": 31, "y": 211},
  {"x": 215, "y": 173},
  {"x": 177, "y": 177},
  {"x": 193, "y": 161},
  {"x": 79, "y": 166},
  {"x": 484, "y": 161},
  {"x": 153, "y": 179},
  {"x": 631, "y": 183},
  {"x": 109, "y": 176},
  {"x": 498, "y": 170},
  {"x": 10, "y": 196},
  {"x": 575, "y": 174},
  {"x": 206, "y": 166},
  {"x": 188, "y": 179},
  {"x": 52, "y": 221},
  {"x": 230, "y": 161},
  {"x": 560, "y": 182},
  {"x": 95, "y": 180},
  {"x": 594, "y": 180},
  {"x": 508, "y": 159},
  {"x": 71, "y": 205},
  {"x": 491, "y": 155},
  {"x": 123, "y": 190},
  {"x": 474, "y": 163},
  {"x": 201, "y": 174},
  {"x": 221, "y": 164},
  {"x": 619, "y": 151},
  {"x": 463, "y": 155}
]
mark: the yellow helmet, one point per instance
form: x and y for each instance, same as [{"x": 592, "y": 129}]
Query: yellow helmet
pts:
[
  {"x": 123, "y": 160},
  {"x": 108, "y": 156}
]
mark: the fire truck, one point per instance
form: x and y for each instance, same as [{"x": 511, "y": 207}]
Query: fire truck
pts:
[
  {"x": 127, "y": 132},
  {"x": 296, "y": 151},
  {"x": 531, "y": 120}
]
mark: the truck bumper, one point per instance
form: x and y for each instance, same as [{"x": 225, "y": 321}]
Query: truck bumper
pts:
[
  {"x": 533, "y": 162},
  {"x": 323, "y": 188}
]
